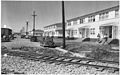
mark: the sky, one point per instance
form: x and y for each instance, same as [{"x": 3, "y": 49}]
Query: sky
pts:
[{"x": 14, "y": 14}]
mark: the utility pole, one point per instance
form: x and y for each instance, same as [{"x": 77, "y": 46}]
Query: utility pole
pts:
[
  {"x": 63, "y": 23},
  {"x": 26, "y": 27},
  {"x": 34, "y": 22}
]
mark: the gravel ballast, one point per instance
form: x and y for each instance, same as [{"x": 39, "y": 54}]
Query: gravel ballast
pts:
[{"x": 38, "y": 67}]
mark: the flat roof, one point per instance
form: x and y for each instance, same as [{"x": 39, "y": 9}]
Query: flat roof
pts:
[{"x": 6, "y": 28}]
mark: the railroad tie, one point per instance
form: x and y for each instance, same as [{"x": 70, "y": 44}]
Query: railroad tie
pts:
[
  {"x": 31, "y": 58},
  {"x": 114, "y": 70},
  {"x": 50, "y": 62},
  {"x": 78, "y": 60},
  {"x": 99, "y": 68},
  {"x": 103, "y": 69},
  {"x": 57, "y": 63},
  {"x": 70, "y": 60},
  {"x": 39, "y": 57},
  {"x": 45, "y": 58},
  {"x": 96, "y": 67},
  {"x": 67, "y": 64},
  {"x": 53, "y": 58},
  {"x": 60, "y": 59},
  {"x": 43, "y": 61},
  {"x": 88, "y": 62},
  {"x": 36, "y": 59},
  {"x": 79, "y": 65}
]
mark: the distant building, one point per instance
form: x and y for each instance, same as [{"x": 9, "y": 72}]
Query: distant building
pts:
[
  {"x": 37, "y": 33},
  {"x": 53, "y": 30},
  {"x": 102, "y": 22},
  {"x": 22, "y": 31}
]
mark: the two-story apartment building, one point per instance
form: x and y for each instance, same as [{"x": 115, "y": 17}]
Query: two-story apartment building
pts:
[
  {"x": 102, "y": 22},
  {"x": 53, "y": 30},
  {"x": 37, "y": 32}
]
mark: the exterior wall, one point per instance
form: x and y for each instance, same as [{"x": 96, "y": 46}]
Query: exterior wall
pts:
[
  {"x": 72, "y": 23},
  {"x": 37, "y": 33},
  {"x": 111, "y": 14},
  {"x": 118, "y": 36},
  {"x": 86, "y": 19},
  {"x": 96, "y": 25},
  {"x": 88, "y": 28},
  {"x": 96, "y": 31},
  {"x": 53, "y": 30},
  {"x": 78, "y": 21},
  {"x": 58, "y": 33},
  {"x": 97, "y": 18}
]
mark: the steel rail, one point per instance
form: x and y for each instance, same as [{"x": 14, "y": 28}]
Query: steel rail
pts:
[{"x": 37, "y": 57}]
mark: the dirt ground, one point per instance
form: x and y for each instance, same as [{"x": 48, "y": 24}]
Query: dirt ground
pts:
[{"x": 19, "y": 65}]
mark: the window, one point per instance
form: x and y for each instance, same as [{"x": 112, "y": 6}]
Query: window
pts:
[
  {"x": 82, "y": 21},
  {"x": 69, "y": 23},
  {"x": 103, "y": 16},
  {"x": 74, "y": 22},
  {"x": 117, "y": 13},
  {"x": 92, "y": 31},
  {"x": 74, "y": 32},
  {"x": 91, "y": 19}
]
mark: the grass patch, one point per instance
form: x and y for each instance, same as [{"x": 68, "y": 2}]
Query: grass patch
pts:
[
  {"x": 78, "y": 47},
  {"x": 103, "y": 54},
  {"x": 44, "y": 51}
]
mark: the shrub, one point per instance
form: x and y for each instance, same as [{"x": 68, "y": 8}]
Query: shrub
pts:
[
  {"x": 98, "y": 54},
  {"x": 86, "y": 39},
  {"x": 114, "y": 41},
  {"x": 49, "y": 42}
]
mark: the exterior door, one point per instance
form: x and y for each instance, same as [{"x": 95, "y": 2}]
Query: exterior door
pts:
[
  {"x": 87, "y": 32},
  {"x": 110, "y": 31},
  {"x": 115, "y": 32},
  {"x": 83, "y": 33}
]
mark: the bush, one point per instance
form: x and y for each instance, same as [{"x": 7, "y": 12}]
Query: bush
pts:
[
  {"x": 48, "y": 41},
  {"x": 98, "y": 54},
  {"x": 86, "y": 39},
  {"x": 114, "y": 41},
  {"x": 34, "y": 39}
]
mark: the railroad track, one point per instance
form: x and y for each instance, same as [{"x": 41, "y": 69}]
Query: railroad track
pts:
[{"x": 100, "y": 65}]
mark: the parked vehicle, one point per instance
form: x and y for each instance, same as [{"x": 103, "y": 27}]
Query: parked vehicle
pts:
[{"x": 6, "y": 34}]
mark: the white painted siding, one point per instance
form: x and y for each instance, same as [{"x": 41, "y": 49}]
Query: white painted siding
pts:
[
  {"x": 111, "y": 14},
  {"x": 71, "y": 22},
  {"x": 78, "y": 21},
  {"x": 86, "y": 20},
  {"x": 97, "y": 18}
]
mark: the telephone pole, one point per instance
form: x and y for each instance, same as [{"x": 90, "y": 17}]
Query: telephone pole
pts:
[
  {"x": 63, "y": 23},
  {"x": 34, "y": 22},
  {"x": 26, "y": 27}
]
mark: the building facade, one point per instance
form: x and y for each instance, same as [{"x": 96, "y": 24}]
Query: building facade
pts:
[
  {"x": 101, "y": 22},
  {"x": 22, "y": 31},
  {"x": 37, "y": 33},
  {"x": 53, "y": 30}
]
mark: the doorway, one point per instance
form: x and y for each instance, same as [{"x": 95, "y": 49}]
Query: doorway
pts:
[{"x": 106, "y": 30}]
